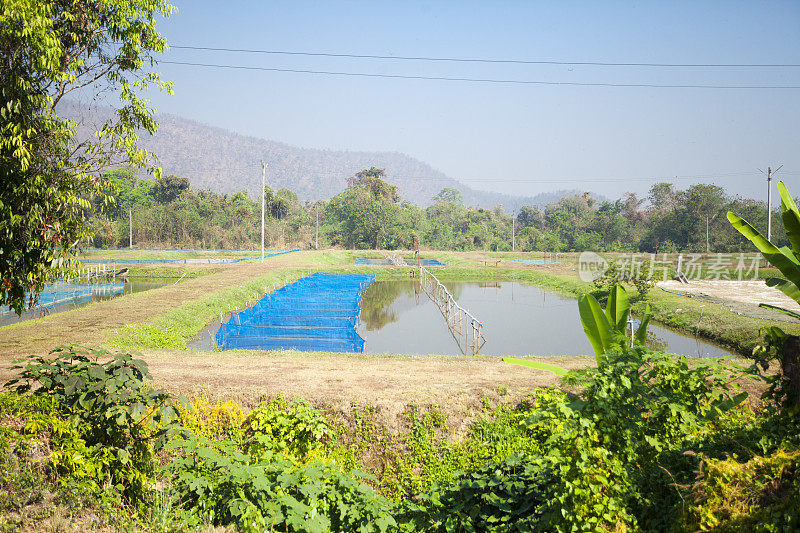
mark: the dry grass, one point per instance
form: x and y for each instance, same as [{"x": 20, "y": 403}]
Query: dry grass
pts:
[{"x": 457, "y": 385}]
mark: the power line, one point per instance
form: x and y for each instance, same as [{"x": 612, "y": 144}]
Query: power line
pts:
[
  {"x": 492, "y": 61},
  {"x": 392, "y": 177},
  {"x": 479, "y": 80}
]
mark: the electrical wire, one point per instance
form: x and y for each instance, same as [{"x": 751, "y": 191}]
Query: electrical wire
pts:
[
  {"x": 491, "y": 61},
  {"x": 391, "y": 177},
  {"x": 479, "y": 80}
]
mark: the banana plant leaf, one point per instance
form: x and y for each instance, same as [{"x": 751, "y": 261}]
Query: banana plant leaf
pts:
[
  {"x": 791, "y": 218},
  {"x": 595, "y": 325},
  {"x": 781, "y": 309},
  {"x": 617, "y": 309},
  {"x": 640, "y": 337},
  {"x": 786, "y": 287},
  {"x": 783, "y": 259}
]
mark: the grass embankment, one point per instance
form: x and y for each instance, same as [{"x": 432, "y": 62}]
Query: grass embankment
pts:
[
  {"x": 170, "y": 272},
  {"x": 175, "y": 327},
  {"x": 536, "y": 364},
  {"x": 709, "y": 321}
]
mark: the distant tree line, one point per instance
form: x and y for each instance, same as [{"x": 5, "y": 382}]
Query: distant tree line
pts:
[{"x": 370, "y": 214}]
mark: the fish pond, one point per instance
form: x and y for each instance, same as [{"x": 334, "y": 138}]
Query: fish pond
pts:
[
  {"x": 398, "y": 317},
  {"x": 518, "y": 320},
  {"x": 63, "y": 297}
]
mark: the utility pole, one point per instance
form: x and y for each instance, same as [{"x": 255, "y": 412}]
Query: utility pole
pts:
[
  {"x": 770, "y": 172},
  {"x": 263, "y": 178},
  {"x": 706, "y": 233},
  {"x": 130, "y": 230},
  {"x": 316, "y": 236}
]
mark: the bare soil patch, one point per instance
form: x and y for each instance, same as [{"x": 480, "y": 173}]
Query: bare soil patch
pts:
[{"x": 742, "y": 297}]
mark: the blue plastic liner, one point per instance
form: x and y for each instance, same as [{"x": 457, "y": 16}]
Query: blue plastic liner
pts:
[
  {"x": 411, "y": 262},
  {"x": 533, "y": 261},
  {"x": 315, "y": 313},
  {"x": 60, "y": 293}
]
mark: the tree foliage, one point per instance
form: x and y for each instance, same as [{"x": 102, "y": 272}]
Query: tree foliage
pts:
[
  {"x": 367, "y": 216},
  {"x": 49, "y": 49}
]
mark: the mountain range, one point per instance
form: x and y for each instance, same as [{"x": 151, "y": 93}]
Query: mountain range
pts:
[{"x": 226, "y": 162}]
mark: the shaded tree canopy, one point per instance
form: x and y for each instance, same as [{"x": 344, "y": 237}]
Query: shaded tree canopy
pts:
[
  {"x": 167, "y": 188},
  {"x": 49, "y": 49}
]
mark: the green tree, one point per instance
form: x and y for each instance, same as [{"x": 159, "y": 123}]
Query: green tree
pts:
[
  {"x": 168, "y": 188},
  {"x": 374, "y": 180},
  {"x": 276, "y": 204},
  {"x": 49, "y": 49},
  {"x": 448, "y": 195},
  {"x": 366, "y": 212},
  {"x": 529, "y": 217}
]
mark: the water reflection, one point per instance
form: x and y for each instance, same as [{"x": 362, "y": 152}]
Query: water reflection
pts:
[
  {"x": 129, "y": 287},
  {"x": 376, "y": 304},
  {"x": 398, "y": 317}
]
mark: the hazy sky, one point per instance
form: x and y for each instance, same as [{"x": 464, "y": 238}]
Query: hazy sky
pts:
[{"x": 513, "y": 138}]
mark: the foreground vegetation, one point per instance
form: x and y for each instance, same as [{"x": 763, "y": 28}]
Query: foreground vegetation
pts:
[{"x": 644, "y": 442}]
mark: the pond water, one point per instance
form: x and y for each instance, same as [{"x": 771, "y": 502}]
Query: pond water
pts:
[
  {"x": 128, "y": 287},
  {"x": 398, "y": 317}
]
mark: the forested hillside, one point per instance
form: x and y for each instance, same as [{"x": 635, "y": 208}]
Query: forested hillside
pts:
[{"x": 225, "y": 162}]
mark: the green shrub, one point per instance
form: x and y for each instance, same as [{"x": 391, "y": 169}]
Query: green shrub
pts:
[
  {"x": 762, "y": 494},
  {"x": 216, "y": 483},
  {"x": 510, "y": 495},
  {"x": 121, "y": 422},
  {"x": 291, "y": 428}
]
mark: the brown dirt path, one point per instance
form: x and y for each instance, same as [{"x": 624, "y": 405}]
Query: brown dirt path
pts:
[
  {"x": 90, "y": 325},
  {"x": 750, "y": 292}
]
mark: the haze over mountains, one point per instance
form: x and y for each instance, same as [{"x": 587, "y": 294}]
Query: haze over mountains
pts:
[{"x": 226, "y": 162}]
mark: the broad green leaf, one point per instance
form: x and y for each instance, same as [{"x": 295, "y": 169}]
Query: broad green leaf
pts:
[
  {"x": 123, "y": 455},
  {"x": 791, "y": 218},
  {"x": 786, "y": 287},
  {"x": 595, "y": 325},
  {"x": 618, "y": 308},
  {"x": 727, "y": 404},
  {"x": 781, "y": 309},
  {"x": 785, "y": 250},
  {"x": 96, "y": 372},
  {"x": 777, "y": 257},
  {"x": 641, "y": 332}
]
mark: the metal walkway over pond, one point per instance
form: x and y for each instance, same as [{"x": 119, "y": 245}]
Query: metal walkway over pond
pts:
[
  {"x": 315, "y": 313},
  {"x": 465, "y": 328}
]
